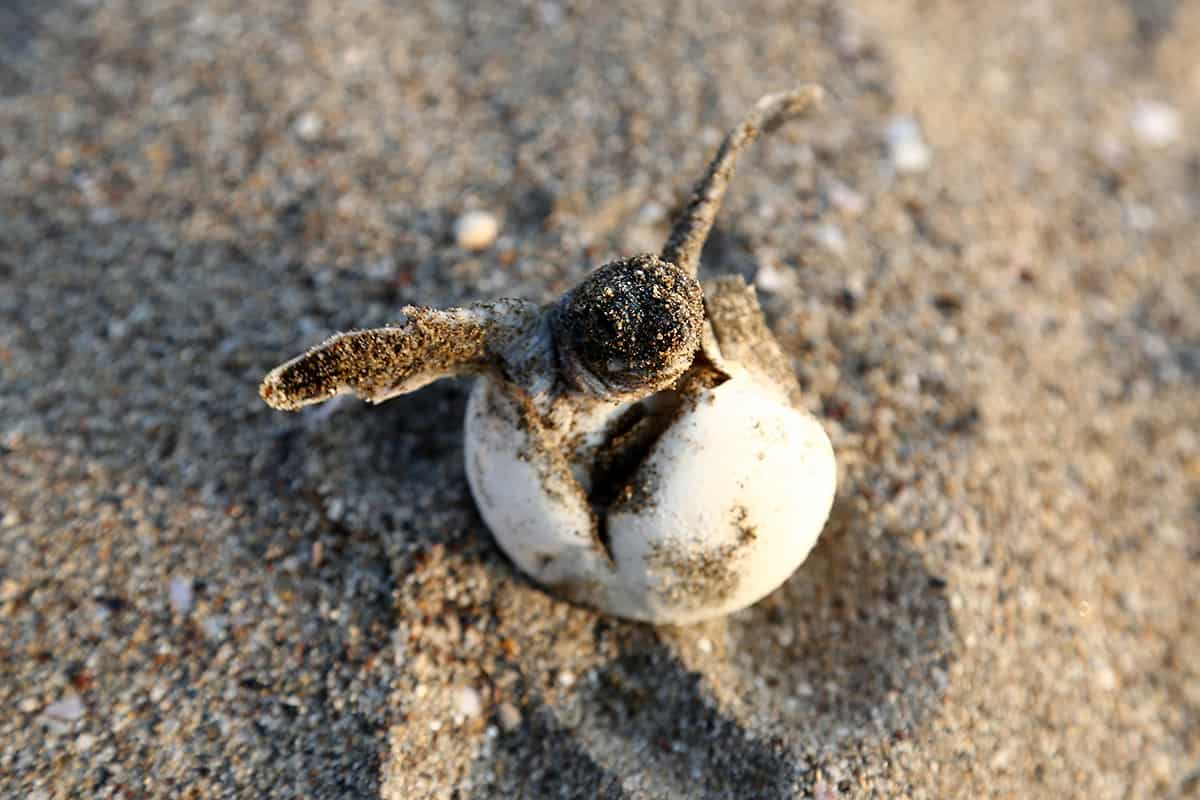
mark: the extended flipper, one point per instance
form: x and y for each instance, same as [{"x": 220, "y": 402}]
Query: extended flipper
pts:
[
  {"x": 690, "y": 232},
  {"x": 382, "y": 363}
]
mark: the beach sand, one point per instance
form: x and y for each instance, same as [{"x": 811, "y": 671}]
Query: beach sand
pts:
[{"x": 981, "y": 255}]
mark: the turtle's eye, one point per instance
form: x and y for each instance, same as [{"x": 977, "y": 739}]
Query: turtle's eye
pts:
[{"x": 632, "y": 325}]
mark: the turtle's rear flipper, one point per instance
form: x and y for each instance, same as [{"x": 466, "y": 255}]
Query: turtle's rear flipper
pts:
[{"x": 691, "y": 230}]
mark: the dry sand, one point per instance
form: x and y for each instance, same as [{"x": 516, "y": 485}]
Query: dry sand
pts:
[{"x": 982, "y": 256}]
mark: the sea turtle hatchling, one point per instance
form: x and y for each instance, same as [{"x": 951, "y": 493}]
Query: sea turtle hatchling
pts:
[{"x": 639, "y": 445}]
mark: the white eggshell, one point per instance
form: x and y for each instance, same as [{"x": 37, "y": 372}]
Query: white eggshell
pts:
[
  {"x": 738, "y": 490},
  {"x": 538, "y": 514},
  {"x": 729, "y": 501}
]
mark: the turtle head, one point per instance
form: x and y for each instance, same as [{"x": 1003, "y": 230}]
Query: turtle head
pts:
[{"x": 630, "y": 328}]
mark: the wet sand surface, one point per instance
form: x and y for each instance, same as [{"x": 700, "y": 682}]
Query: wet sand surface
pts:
[{"x": 981, "y": 257}]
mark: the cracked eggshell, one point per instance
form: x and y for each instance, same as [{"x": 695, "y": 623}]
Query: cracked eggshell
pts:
[
  {"x": 727, "y": 504},
  {"x": 526, "y": 491}
]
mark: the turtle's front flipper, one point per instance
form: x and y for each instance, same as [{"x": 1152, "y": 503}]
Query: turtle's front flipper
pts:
[
  {"x": 381, "y": 363},
  {"x": 687, "y": 237}
]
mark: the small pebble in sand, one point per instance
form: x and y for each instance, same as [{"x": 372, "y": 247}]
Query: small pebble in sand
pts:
[
  {"x": 214, "y": 626},
  {"x": 823, "y": 790},
  {"x": 9, "y": 589},
  {"x": 906, "y": 145},
  {"x": 847, "y": 201},
  {"x": 467, "y": 703},
  {"x": 771, "y": 277},
  {"x": 69, "y": 709},
  {"x": 509, "y": 716},
  {"x": 1140, "y": 217},
  {"x": 830, "y": 237},
  {"x": 476, "y": 230},
  {"x": 309, "y": 126},
  {"x": 181, "y": 595},
  {"x": 1155, "y": 123},
  {"x": 652, "y": 214}
]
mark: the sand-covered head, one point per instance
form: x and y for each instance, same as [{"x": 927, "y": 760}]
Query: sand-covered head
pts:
[{"x": 632, "y": 326}]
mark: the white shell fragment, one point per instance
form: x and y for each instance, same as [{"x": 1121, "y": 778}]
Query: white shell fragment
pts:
[
  {"x": 69, "y": 709},
  {"x": 907, "y": 146},
  {"x": 182, "y": 594},
  {"x": 1156, "y": 124},
  {"x": 639, "y": 446},
  {"x": 476, "y": 230}
]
